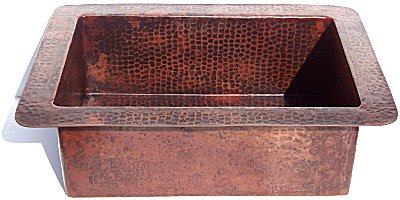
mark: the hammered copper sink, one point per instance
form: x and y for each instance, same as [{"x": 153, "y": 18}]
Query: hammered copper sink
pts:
[{"x": 166, "y": 100}]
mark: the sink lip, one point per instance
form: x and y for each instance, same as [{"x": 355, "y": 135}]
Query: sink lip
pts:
[{"x": 36, "y": 108}]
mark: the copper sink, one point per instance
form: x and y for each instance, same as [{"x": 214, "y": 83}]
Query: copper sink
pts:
[{"x": 166, "y": 100}]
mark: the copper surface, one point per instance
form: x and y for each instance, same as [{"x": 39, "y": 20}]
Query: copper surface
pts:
[
  {"x": 154, "y": 100},
  {"x": 101, "y": 64},
  {"x": 195, "y": 55},
  {"x": 117, "y": 161}
]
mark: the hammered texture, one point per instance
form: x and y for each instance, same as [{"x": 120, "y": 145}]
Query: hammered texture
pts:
[
  {"x": 36, "y": 108},
  {"x": 205, "y": 101},
  {"x": 207, "y": 161},
  {"x": 191, "y": 55}
]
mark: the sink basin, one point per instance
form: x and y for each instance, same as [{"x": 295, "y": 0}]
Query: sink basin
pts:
[
  {"x": 212, "y": 61},
  {"x": 161, "y": 100}
]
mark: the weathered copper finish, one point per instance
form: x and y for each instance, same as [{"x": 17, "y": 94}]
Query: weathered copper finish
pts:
[
  {"x": 376, "y": 105},
  {"x": 206, "y": 99},
  {"x": 109, "y": 161}
]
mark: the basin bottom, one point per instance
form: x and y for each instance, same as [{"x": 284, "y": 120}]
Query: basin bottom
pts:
[{"x": 124, "y": 161}]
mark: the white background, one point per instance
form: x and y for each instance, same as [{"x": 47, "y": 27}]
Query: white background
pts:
[{"x": 25, "y": 170}]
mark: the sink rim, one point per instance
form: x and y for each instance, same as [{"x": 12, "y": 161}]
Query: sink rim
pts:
[{"x": 36, "y": 107}]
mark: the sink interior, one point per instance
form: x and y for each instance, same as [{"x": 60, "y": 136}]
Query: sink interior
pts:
[{"x": 206, "y": 62}]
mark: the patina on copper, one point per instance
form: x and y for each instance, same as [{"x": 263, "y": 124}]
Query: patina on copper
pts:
[
  {"x": 206, "y": 99},
  {"x": 116, "y": 161}
]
